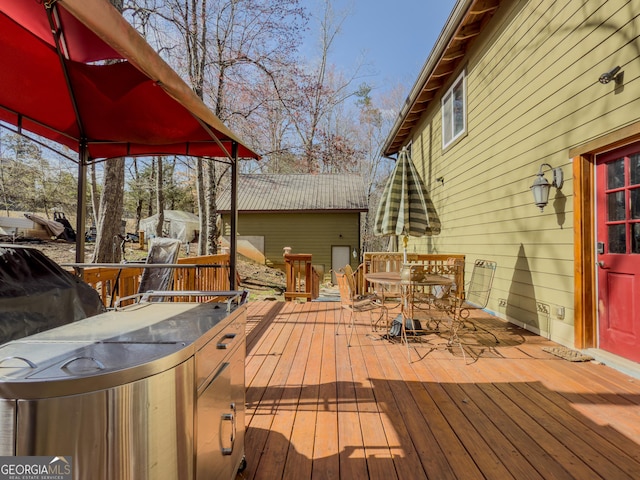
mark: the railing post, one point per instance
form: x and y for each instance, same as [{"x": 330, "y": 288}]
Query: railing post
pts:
[{"x": 299, "y": 270}]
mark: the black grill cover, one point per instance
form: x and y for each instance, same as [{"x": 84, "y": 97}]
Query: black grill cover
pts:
[{"x": 36, "y": 294}]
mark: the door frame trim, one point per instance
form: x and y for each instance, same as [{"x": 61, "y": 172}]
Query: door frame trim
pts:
[{"x": 585, "y": 303}]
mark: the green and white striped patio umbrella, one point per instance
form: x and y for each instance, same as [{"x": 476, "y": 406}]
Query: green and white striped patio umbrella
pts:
[{"x": 405, "y": 207}]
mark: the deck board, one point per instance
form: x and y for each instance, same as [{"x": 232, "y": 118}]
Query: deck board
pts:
[
  {"x": 318, "y": 408},
  {"x": 299, "y": 461}
]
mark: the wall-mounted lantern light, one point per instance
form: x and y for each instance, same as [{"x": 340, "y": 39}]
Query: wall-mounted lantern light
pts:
[
  {"x": 541, "y": 185},
  {"x": 354, "y": 254},
  {"x": 612, "y": 74}
]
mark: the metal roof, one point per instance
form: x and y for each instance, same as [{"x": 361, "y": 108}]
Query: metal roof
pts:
[{"x": 298, "y": 192}]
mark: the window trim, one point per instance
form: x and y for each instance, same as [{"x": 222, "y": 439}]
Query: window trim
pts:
[{"x": 449, "y": 93}]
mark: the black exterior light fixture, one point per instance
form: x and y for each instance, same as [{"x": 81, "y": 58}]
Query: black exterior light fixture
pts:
[
  {"x": 612, "y": 74},
  {"x": 541, "y": 185}
]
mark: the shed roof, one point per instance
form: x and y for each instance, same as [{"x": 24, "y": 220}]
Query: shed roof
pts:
[
  {"x": 465, "y": 23},
  {"x": 297, "y": 192},
  {"x": 176, "y": 215}
]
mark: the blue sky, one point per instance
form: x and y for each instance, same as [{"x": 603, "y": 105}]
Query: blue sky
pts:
[{"x": 395, "y": 36}]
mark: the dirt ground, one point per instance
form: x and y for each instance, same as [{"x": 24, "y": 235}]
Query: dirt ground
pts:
[{"x": 262, "y": 281}]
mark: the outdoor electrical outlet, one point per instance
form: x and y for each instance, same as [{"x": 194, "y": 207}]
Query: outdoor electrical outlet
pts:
[
  {"x": 560, "y": 312},
  {"x": 543, "y": 308},
  {"x": 502, "y": 302}
]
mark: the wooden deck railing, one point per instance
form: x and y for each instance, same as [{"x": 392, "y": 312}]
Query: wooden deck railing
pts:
[
  {"x": 303, "y": 281},
  {"x": 113, "y": 283},
  {"x": 392, "y": 262}
]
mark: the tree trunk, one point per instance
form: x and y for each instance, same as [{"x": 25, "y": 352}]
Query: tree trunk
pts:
[
  {"x": 202, "y": 212},
  {"x": 170, "y": 182},
  {"x": 159, "y": 198},
  {"x": 212, "y": 209},
  {"x": 4, "y": 196},
  {"x": 111, "y": 208},
  {"x": 139, "y": 195},
  {"x": 95, "y": 201},
  {"x": 150, "y": 188}
]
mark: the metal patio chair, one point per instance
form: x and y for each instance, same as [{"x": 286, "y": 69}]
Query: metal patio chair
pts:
[
  {"x": 162, "y": 251},
  {"x": 442, "y": 297},
  {"x": 477, "y": 292},
  {"x": 354, "y": 303},
  {"x": 387, "y": 262}
]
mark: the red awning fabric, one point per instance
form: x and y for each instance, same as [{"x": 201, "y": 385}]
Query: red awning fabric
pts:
[{"x": 135, "y": 106}]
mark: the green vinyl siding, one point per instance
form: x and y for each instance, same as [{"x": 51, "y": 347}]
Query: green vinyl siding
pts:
[
  {"x": 313, "y": 233},
  {"x": 532, "y": 94}
]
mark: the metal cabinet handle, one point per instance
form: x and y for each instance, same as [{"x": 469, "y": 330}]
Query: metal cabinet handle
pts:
[
  {"x": 28, "y": 362},
  {"x": 222, "y": 345},
  {"x": 99, "y": 364},
  {"x": 229, "y": 417}
]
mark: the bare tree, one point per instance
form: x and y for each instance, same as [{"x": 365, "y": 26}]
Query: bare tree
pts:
[
  {"x": 227, "y": 43},
  {"x": 312, "y": 92},
  {"x": 376, "y": 119},
  {"x": 111, "y": 205}
]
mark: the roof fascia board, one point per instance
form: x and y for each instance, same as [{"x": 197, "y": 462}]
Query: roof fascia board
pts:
[
  {"x": 305, "y": 210},
  {"x": 455, "y": 19}
]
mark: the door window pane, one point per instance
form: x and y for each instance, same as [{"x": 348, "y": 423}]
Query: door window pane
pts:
[
  {"x": 635, "y": 238},
  {"x": 635, "y": 203},
  {"x": 617, "y": 240},
  {"x": 615, "y": 206},
  {"x": 634, "y": 168},
  {"x": 615, "y": 174}
]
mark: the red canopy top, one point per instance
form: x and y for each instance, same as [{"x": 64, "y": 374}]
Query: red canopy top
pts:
[{"x": 135, "y": 106}]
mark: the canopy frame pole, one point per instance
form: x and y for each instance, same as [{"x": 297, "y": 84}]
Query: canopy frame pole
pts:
[
  {"x": 80, "y": 207},
  {"x": 231, "y": 156},
  {"x": 83, "y": 150},
  {"x": 61, "y": 50},
  {"x": 233, "y": 243}
]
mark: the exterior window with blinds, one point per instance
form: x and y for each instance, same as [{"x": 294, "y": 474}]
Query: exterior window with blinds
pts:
[{"x": 454, "y": 111}]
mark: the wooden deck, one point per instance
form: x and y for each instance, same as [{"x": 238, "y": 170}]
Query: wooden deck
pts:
[{"x": 319, "y": 409}]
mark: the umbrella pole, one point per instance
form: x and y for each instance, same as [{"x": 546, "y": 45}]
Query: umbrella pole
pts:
[{"x": 405, "y": 241}]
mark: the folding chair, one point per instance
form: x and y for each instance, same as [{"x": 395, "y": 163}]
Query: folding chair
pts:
[{"x": 354, "y": 303}]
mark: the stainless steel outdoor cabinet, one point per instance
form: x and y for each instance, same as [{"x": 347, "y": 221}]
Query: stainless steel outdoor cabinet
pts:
[{"x": 153, "y": 391}]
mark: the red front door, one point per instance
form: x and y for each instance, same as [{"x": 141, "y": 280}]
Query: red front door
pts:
[{"x": 618, "y": 251}]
